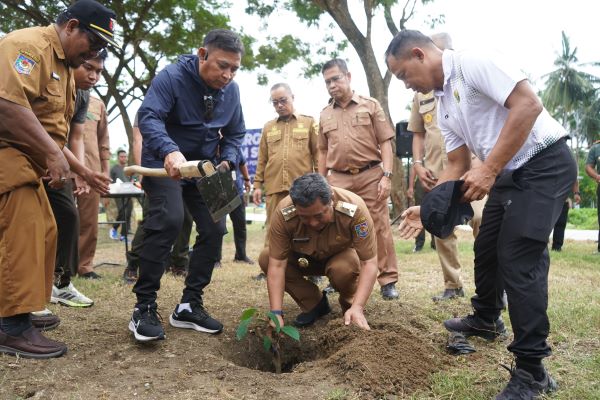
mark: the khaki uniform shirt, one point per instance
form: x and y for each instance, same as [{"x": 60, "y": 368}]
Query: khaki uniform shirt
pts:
[
  {"x": 95, "y": 135},
  {"x": 34, "y": 75},
  {"x": 423, "y": 118},
  {"x": 352, "y": 135},
  {"x": 352, "y": 226},
  {"x": 288, "y": 149}
]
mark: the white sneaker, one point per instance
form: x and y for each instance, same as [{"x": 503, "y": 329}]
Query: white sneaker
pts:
[{"x": 69, "y": 296}]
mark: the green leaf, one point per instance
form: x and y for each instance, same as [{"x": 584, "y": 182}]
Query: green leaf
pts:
[
  {"x": 267, "y": 343},
  {"x": 242, "y": 329},
  {"x": 275, "y": 320},
  {"x": 248, "y": 313},
  {"x": 291, "y": 332}
]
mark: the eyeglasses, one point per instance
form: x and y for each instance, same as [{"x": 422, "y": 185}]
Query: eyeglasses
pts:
[
  {"x": 283, "y": 101},
  {"x": 96, "y": 42},
  {"x": 334, "y": 79},
  {"x": 209, "y": 106}
]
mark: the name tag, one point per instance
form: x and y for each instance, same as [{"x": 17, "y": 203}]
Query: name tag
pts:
[{"x": 301, "y": 240}]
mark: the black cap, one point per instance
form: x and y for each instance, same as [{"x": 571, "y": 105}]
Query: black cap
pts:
[
  {"x": 441, "y": 209},
  {"x": 96, "y": 17}
]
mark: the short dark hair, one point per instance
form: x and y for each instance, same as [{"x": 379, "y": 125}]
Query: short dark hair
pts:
[
  {"x": 121, "y": 151},
  {"x": 336, "y": 62},
  {"x": 306, "y": 189},
  {"x": 224, "y": 39},
  {"x": 63, "y": 18},
  {"x": 405, "y": 40}
]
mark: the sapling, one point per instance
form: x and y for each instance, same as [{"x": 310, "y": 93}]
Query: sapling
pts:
[{"x": 271, "y": 336}]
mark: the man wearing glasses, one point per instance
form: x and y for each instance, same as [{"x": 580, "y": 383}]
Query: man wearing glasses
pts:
[
  {"x": 356, "y": 154},
  {"x": 191, "y": 112},
  {"x": 288, "y": 150},
  {"x": 37, "y": 94}
]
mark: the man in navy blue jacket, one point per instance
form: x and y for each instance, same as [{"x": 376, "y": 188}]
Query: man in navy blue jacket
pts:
[{"x": 191, "y": 110}]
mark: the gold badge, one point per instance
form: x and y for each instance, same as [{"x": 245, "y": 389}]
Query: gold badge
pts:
[
  {"x": 303, "y": 262},
  {"x": 428, "y": 118}
]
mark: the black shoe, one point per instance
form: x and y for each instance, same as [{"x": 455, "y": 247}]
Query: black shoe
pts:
[
  {"x": 309, "y": 318},
  {"x": 260, "y": 277},
  {"x": 557, "y": 249},
  {"x": 130, "y": 276},
  {"x": 197, "y": 319},
  {"x": 90, "y": 275},
  {"x": 472, "y": 325},
  {"x": 449, "y": 294},
  {"x": 523, "y": 386},
  {"x": 146, "y": 325},
  {"x": 417, "y": 249},
  {"x": 389, "y": 292},
  {"x": 244, "y": 260}
]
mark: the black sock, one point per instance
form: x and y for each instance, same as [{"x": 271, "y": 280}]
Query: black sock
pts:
[
  {"x": 15, "y": 325},
  {"x": 532, "y": 365}
]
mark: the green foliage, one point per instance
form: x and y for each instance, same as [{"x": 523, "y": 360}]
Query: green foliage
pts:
[
  {"x": 584, "y": 218},
  {"x": 291, "y": 332},
  {"x": 248, "y": 316}
]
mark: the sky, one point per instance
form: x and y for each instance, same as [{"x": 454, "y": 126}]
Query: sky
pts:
[{"x": 527, "y": 32}]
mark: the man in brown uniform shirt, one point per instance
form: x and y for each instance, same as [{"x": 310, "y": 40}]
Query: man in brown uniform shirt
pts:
[
  {"x": 287, "y": 150},
  {"x": 36, "y": 104},
  {"x": 321, "y": 230},
  {"x": 354, "y": 140}
]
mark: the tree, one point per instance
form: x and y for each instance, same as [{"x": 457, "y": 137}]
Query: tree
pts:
[
  {"x": 310, "y": 13},
  {"x": 152, "y": 33}
]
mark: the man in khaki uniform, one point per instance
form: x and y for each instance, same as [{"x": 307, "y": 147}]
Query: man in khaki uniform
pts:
[
  {"x": 320, "y": 230},
  {"x": 287, "y": 150},
  {"x": 37, "y": 93},
  {"x": 354, "y": 141},
  {"x": 429, "y": 158}
]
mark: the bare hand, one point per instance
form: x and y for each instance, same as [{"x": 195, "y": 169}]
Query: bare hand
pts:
[
  {"x": 172, "y": 163},
  {"x": 411, "y": 225},
  {"x": 426, "y": 176},
  {"x": 97, "y": 181},
  {"x": 257, "y": 196},
  {"x": 81, "y": 186},
  {"x": 410, "y": 193},
  {"x": 356, "y": 316},
  {"x": 478, "y": 182},
  {"x": 58, "y": 169},
  {"x": 383, "y": 189},
  {"x": 577, "y": 199},
  {"x": 247, "y": 186}
]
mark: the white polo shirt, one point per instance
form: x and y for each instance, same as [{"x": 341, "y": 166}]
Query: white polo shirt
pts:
[{"x": 471, "y": 108}]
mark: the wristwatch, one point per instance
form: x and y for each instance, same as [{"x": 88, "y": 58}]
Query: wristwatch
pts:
[{"x": 388, "y": 174}]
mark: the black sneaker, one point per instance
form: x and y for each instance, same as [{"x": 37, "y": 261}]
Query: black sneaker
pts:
[
  {"x": 523, "y": 386},
  {"x": 146, "y": 325},
  {"x": 449, "y": 294},
  {"x": 198, "y": 319},
  {"x": 472, "y": 325}
]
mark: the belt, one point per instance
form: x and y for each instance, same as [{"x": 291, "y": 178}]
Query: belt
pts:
[{"x": 354, "y": 171}]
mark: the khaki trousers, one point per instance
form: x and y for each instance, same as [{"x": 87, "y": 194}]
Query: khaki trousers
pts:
[
  {"x": 272, "y": 201},
  {"x": 87, "y": 206},
  {"x": 365, "y": 185},
  {"x": 27, "y": 250},
  {"x": 342, "y": 269}
]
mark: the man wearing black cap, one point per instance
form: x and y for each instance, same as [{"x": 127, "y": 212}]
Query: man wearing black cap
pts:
[
  {"x": 488, "y": 108},
  {"x": 37, "y": 93}
]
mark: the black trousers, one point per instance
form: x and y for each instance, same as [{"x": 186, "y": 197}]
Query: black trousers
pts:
[
  {"x": 162, "y": 224},
  {"x": 511, "y": 250},
  {"x": 67, "y": 222},
  {"x": 238, "y": 220},
  {"x": 124, "y": 210},
  {"x": 558, "y": 236}
]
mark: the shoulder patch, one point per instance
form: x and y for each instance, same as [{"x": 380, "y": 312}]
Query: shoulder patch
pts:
[
  {"x": 346, "y": 208},
  {"x": 24, "y": 64},
  {"x": 288, "y": 212},
  {"x": 362, "y": 229}
]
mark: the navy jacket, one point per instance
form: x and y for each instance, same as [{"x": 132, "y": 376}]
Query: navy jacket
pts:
[{"x": 172, "y": 117}]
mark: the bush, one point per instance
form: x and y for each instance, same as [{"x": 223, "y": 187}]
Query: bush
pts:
[{"x": 583, "y": 218}]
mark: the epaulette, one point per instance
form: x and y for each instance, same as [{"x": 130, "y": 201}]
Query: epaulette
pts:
[
  {"x": 289, "y": 212},
  {"x": 346, "y": 208}
]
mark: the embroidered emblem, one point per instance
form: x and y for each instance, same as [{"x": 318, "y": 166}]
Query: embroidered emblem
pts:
[
  {"x": 24, "y": 65},
  {"x": 428, "y": 118},
  {"x": 362, "y": 230}
]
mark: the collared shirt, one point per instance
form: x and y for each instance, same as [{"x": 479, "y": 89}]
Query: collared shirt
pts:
[
  {"x": 352, "y": 136},
  {"x": 357, "y": 231},
  {"x": 174, "y": 117},
  {"x": 34, "y": 75},
  {"x": 287, "y": 150},
  {"x": 82, "y": 102},
  {"x": 423, "y": 119},
  {"x": 593, "y": 157},
  {"x": 471, "y": 108},
  {"x": 95, "y": 135}
]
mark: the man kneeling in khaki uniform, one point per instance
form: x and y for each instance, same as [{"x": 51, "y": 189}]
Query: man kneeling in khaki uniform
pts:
[{"x": 320, "y": 230}]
